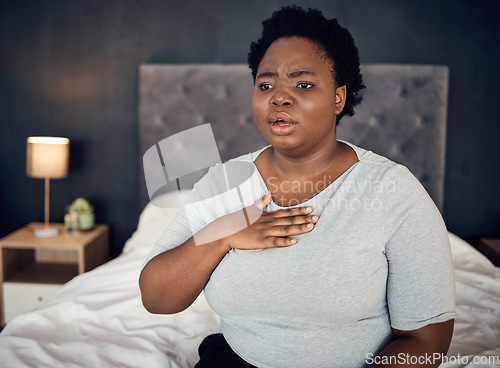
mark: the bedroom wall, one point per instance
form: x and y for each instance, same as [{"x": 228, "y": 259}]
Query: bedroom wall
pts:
[{"x": 69, "y": 68}]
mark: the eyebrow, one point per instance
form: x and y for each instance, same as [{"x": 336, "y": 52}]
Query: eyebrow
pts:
[{"x": 296, "y": 74}]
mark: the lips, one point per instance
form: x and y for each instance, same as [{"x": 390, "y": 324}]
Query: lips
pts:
[
  {"x": 280, "y": 118},
  {"x": 281, "y": 123}
]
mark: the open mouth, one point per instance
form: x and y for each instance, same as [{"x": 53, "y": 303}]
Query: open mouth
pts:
[
  {"x": 282, "y": 125},
  {"x": 280, "y": 122}
]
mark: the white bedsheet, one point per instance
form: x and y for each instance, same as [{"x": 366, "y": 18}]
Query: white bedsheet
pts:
[{"x": 97, "y": 319}]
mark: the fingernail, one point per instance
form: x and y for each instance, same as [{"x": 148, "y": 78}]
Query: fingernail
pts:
[
  {"x": 309, "y": 226},
  {"x": 315, "y": 218}
]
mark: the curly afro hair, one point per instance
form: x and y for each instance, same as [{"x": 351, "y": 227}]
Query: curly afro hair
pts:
[{"x": 335, "y": 40}]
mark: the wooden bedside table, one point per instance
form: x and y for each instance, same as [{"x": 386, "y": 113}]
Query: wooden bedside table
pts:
[
  {"x": 491, "y": 249},
  {"x": 32, "y": 269}
]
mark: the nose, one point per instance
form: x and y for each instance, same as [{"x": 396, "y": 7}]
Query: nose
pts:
[{"x": 281, "y": 97}]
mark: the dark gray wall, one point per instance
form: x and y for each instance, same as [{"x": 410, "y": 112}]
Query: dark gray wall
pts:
[{"x": 69, "y": 68}]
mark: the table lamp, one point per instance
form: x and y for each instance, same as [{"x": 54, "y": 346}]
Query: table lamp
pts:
[{"x": 47, "y": 158}]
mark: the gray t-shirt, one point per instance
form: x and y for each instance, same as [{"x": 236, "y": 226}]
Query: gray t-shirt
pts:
[{"x": 379, "y": 257}]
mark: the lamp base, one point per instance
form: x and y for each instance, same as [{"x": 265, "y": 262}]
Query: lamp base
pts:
[{"x": 46, "y": 233}]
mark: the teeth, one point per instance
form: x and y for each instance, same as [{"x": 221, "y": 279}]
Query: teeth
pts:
[{"x": 280, "y": 123}]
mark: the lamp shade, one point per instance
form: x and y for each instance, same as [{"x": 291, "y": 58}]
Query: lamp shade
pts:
[{"x": 47, "y": 157}]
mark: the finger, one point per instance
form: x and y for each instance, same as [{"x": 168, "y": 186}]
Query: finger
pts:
[
  {"x": 273, "y": 242},
  {"x": 294, "y": 220},
  {"x": 296, "y": 211},
  {"x": 264, "y": 201},
  {"x": 289, "y": 230},
  {"x": 254, "y": 212}
]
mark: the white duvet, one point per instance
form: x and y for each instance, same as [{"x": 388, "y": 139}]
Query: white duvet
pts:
[{"x": 97, "y": 319}]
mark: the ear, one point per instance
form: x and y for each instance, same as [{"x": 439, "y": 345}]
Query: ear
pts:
[{"x": 340, "y": 95}]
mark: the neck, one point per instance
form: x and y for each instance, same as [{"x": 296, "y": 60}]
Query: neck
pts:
[{"x": 316, "y": 163}]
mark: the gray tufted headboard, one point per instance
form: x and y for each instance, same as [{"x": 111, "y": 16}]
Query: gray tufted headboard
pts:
[{"x": 402, "y": 116}]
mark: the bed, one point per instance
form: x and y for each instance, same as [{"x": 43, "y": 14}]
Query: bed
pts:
[{"x": 97, "y": 319}]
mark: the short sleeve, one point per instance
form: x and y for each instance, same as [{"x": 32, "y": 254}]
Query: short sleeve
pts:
[
  {"x": 420, "y": 284},
  {"x": 176, "y": 233},
  {"x": 226, "y": 188}
]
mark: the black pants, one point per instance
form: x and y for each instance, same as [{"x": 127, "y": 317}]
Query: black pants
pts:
[{"x": 215, "y": 352}]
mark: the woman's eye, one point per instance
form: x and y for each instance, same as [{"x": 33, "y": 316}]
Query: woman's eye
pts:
[
  {"x": 305, "y": 85},
  {"x": 265, "y": 86}
]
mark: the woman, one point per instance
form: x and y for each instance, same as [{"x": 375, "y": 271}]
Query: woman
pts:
[{"x": 344, "y": 260}]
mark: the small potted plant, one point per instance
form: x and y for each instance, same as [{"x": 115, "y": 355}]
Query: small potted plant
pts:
[{"x": 80, "y": 216}]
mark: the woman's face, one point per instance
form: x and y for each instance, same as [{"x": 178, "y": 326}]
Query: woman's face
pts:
[{"x": 295, "y": 100}]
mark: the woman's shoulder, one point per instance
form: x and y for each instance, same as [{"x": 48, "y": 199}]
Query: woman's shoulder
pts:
[
  {"x": 368, "y": 156},
  {"x": 376, "y": 165}
]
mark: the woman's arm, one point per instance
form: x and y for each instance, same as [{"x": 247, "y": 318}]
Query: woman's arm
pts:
[
  {"x": 172, "y": 280},
  {"x": 420, "y": 281},
  {"x": 417, "y": 348}
]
